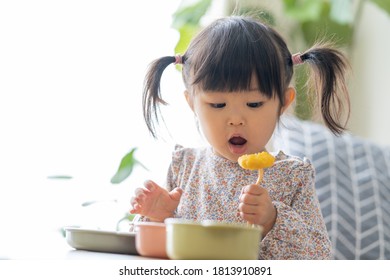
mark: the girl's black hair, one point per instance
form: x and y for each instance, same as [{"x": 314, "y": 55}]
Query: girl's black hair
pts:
[{"x": 226, "y": 54}]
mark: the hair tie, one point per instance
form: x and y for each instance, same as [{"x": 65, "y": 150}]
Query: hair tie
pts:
[
  {"x": 296, "y": 59},
  {"x": 178, "y": 59}
]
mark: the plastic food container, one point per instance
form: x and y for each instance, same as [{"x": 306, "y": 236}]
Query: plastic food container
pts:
[
  {"x": 212, "y": 240},
  {"x": 101, "y": 240},
  {"x": 150, "y": 239}
]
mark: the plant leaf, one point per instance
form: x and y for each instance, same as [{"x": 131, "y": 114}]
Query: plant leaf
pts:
[
  {"x": 303, "y": 10},
  {"x": 383, "y": 5},
  {"x": 127, "y": 217},
  {"x": 90, "y": 202},
  {"x": 60, "y": 177},
  {"x": 125, "y": 167},
  {"x": 190, "y": 14},
  {"x": 186, "y": 20},
  {"x": 328, "y": 29},
  {"x": 187, "y": 32}
]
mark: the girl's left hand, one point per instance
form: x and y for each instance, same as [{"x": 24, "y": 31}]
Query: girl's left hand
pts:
[{"x": 256, "y": 207}]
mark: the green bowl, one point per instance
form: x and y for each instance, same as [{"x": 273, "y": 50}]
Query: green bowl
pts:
[{"x": 189, "y": 240}]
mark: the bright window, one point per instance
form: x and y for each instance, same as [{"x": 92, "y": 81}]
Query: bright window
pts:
[{"x": 71, "y": 82}]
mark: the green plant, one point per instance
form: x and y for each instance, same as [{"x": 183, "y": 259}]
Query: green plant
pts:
[
  {"x": 186, "y": 20},
  {"x": 125, "y": 169},
  {"x": 329, "y": 20},
  {"x": 126, "y": 166}
]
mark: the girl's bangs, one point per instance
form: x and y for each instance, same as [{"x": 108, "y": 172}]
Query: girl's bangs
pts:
[
  {"x": 233, "y": 54},
  {"x": 225, "y": 75}
]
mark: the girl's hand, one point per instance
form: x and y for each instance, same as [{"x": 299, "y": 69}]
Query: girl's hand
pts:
[
  {"x": 155, "y": 202},
  {"x": 256, "y": 207}
]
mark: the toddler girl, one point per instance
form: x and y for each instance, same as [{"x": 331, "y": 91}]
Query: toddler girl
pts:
[{"x": 237, "y": 75}]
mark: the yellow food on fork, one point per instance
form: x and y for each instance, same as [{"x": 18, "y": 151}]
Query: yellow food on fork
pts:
[{"x": 257, "y": 161}]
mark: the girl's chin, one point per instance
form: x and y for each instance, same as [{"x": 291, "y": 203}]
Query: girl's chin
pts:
[{"x": 227, "y": 155}]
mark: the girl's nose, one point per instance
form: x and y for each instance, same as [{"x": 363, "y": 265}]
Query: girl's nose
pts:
[{"x": 236, "y": 121}]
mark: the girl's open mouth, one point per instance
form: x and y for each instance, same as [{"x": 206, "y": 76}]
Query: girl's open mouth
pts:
[{"x": 237, "y": 144}]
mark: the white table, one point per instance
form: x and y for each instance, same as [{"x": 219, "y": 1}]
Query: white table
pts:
[
  {"x": 50, "y": 246},
  {"x": 89, "y": 255}
]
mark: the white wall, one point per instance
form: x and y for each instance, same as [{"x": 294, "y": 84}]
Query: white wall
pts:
[
  {"x": 370, "y": 91},
  {"x": 71, "y": 76}
]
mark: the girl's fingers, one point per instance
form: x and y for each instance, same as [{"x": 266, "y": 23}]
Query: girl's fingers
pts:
[
  {"x": 150, "y": 185},
  {"x": 248, "y": 217},
  {"x": 135, "y": 206},
  {"x": 248, "y": 209},
  {"x": 250, "y": 199},
  {"x": 140, "y": 196},
  {"x": 253, "y": 189},
  {"x": 133, "y": 201},
  {"x": 139, "y": 191},
  {"x": 176, "y": 193},
  {"x": 137, "y": 200}
]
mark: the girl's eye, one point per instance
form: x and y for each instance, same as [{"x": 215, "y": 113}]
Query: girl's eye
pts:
[
  {"x": 255, "y": 104},
  {"x": 217, "y": 105}
]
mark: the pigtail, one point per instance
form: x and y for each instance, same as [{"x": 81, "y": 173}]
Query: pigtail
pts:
[
  {"x": 329, "y": 68},
  {"x": 152, "y": 99}
]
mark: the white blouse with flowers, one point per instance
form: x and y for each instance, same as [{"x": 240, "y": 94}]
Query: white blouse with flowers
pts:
[{"x": 212, "y": 186}]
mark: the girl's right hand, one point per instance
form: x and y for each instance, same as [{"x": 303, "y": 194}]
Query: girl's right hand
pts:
[{"x": 155, "y": 202}]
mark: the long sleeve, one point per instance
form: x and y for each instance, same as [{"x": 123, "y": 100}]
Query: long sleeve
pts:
[
  {"x": 299, "y": 231},
  {"x": 212, "y": 186}
]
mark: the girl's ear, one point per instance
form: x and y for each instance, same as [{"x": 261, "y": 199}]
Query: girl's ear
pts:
[
  {"x": 189, "y": 99},
  {"x": 289, "y": 97}
]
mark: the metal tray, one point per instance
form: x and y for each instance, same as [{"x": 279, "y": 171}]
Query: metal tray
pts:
[{"x": 101, "y": 240}]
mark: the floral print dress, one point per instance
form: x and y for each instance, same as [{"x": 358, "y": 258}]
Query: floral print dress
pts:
[{"x": 212, "y": 186}]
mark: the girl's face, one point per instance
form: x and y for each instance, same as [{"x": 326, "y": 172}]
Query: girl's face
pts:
[{"x": 237, "y": 123}]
